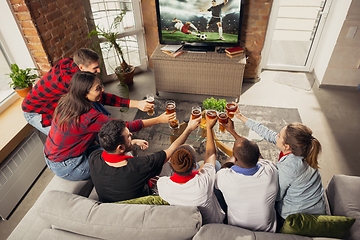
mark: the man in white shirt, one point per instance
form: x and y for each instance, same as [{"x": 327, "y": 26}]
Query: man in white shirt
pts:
[
  {"x": 193, "y": 188},
  {"x": 249, "y": 186}
]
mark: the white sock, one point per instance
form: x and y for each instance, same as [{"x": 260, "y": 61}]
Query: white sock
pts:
[
  {"x": 220, "y": 32},
  {"x": 193, "y": 33},
  {"x": 192, "y": 25}
]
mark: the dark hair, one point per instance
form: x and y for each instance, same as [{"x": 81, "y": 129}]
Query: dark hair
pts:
[
  {"x": 183, "y": 160},
  {"x": 302, "y": 143},
  {"x": 85, "y": 57},
  {"x": 73, "y": 104},
  {"x": 111, "y": 135},
  {"x": 247, "y": 152}
]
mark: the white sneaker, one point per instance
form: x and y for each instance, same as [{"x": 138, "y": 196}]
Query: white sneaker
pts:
[{"x": 221, "y": 38}]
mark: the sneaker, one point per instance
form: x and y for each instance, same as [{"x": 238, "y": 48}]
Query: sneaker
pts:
[
  {"x": 221, "y": 38},
  {"x": 198, "y": 35}
]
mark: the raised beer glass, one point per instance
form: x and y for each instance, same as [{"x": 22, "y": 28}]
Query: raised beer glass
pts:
[
  {"x": 150, "y": 99},
  {"x": 231, "y": 109},
  {"x": 170, "y": 108},
  {"x": 223, "y": 118}
]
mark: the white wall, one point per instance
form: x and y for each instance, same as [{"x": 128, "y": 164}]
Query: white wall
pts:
[
  {"x": 333, "y": 25},
  {"x": 14, "y": 43}
]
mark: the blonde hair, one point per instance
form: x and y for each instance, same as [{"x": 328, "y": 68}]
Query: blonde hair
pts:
[{"x": 302, "y": 143}]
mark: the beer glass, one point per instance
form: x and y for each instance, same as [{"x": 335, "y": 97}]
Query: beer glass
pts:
[
  {"x": 231, "y": 109},
  {"x": 170, "y": 108},
  {"x": 150, "y": 99},
  {"x": 223, "y": 118},
  {"x": 195, "y": 112},
  {"x": 211, "y": 113}
]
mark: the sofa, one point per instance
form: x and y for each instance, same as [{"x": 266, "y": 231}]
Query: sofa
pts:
[{"x": 70, "y": 210}]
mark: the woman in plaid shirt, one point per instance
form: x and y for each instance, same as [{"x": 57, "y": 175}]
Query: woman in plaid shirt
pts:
[{"x": 76, "y": 124}]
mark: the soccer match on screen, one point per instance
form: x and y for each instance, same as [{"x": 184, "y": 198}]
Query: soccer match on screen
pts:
[{"x": 200, "y": 20}]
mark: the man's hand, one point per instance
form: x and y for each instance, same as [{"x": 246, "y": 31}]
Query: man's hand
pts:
[
  {"x": 193, "y": 123},
  {"x": 165, "y": 118},
  {"x": 229, "y": 125},
  {"x": 210, "y": 123},
  {"x": 142, "y": 143}
]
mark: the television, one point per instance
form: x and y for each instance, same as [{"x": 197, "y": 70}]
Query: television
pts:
[{"x": 199, "y": 25}]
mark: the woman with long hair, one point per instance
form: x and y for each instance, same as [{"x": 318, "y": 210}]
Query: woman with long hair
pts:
[
  {"x": 300, "y": 187},
  {"x": 76, "y": 124}
]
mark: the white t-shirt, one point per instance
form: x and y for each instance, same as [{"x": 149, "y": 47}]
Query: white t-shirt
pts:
[
  {"x": 250, "y": 199},
  {"x": 199, "y": 191}
]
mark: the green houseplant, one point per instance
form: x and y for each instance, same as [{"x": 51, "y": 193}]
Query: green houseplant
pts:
[
  {"x": 21, "y": 79},
  {"x": 125, "y": 72}
]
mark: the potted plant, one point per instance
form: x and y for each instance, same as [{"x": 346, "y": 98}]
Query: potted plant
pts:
[
  {"x": 22, "y": 80},
  {"x": 125, "y": 72}
]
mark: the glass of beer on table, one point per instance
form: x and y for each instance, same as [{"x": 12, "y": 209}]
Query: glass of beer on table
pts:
[
  {"x": 223, "y": 118},
  {"x": 195, "y": 112},
  {"x": 170, "y": 108},
  {"x": 150, "y": 99},
  {"x": 231, "y": 109}
]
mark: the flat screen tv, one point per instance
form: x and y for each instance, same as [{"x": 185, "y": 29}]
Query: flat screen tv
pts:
[{"x": 199, "y": 25}]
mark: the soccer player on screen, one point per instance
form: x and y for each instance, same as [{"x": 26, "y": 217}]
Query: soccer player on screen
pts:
[
  {"x": 215, "y": 11},
  {"x": 184, "y": 28}
]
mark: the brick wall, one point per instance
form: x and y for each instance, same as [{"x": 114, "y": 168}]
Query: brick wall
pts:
[
  {"x": 53, "y": 29},
  {"x": 255, "y": 20}
]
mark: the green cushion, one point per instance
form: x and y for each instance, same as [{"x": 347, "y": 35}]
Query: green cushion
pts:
[
  {"x": 317, "y": 225},
  {"x": 150, "y": 200}
]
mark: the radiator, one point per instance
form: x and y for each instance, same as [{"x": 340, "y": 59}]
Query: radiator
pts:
[{"x": 19, "y": 171}]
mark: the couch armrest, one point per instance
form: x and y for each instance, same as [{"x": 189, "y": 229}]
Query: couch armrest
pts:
[{"x": 343, "y": 194}]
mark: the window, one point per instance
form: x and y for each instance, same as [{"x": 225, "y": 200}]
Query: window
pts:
[
  {"x": 5, "y": 89},
  {"x": 131, "y": 37}
]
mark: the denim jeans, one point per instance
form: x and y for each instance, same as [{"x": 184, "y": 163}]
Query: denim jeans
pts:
[
  {"x": 34, "y": 119},
  {"x": 73, "y": 169}
]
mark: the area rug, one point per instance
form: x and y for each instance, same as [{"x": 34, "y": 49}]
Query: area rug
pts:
[
  {"x": 271, "y": 117},
  {"x": 295, "y": 79}
]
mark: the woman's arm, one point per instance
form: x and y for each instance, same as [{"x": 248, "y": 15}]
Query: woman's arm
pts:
[{"x": 163, "y": 118}]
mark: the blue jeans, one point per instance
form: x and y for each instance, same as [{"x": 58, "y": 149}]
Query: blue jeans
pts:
[
  {"x": 73, "y": 169},
  {"x": 34, "y": 119}
]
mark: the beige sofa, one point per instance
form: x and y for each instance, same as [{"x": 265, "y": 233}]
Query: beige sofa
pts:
[{"x": 69, "y": 210}]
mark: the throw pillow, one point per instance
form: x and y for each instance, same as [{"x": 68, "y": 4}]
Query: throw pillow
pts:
[
  {"x": 317, "y": 225},
  {"x": 149, "y": 200}
]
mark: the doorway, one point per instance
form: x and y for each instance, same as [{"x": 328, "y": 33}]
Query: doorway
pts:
[{"x": 294, "y": 31}]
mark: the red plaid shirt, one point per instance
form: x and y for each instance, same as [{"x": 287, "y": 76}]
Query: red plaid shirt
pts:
[
  {"x": 44, "y": 96},
  {"x": 49, "y": 89},
  {"x": 62, "y": 145}
]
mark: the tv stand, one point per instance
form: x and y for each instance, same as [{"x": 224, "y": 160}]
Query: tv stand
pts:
[
  {"x": 191, "y": 48},
  {"x": 209, "y": 73}
]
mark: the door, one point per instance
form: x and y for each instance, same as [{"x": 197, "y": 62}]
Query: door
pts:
[{"x": 295, "y": 28}]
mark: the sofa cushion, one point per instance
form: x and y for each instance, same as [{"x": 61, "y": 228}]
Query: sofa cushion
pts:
[
  {"x": 88, "y": 217},
  {"x": 150, "y": 200},
  {"x": 343, "y": 194},
  {"x": 317, "y": 225},
  {"x": 222, "y": 231}
]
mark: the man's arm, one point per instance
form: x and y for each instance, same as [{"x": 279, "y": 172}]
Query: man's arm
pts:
[
  {"x": 229, "y": 126},
  {"x": 225, "y": 2},
  {"x": 192, "y": 125},
  {"x": 210, "y": 152}
]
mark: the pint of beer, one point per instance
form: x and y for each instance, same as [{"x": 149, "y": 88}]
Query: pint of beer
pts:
[
  {"x": 231, "y": 109},
  {"x": 150, "y": 99},
  {"x": 223, "y": 118},
  {"x": 195, "y": 112},
  {"x": 211, "y": 113},
  {"x": 170, "y": 108}
]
